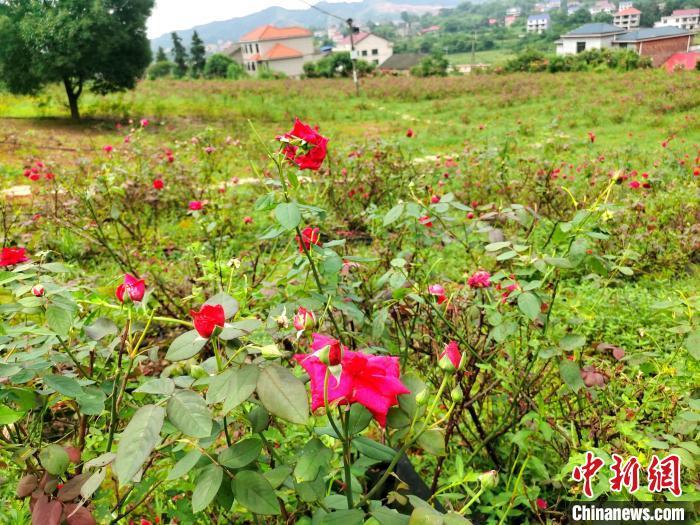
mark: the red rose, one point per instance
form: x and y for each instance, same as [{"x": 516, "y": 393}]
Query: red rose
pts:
[
  {"x": 309, "y": 236},
  {"x": 195, "y": 205},
  {"x": 133, "y": 287},
  {"x": 304, "y": 146},
  {"x": 208, "y": 318},
  {"x": 158, "y": 184},
  {"x": 12, "y": 256}
]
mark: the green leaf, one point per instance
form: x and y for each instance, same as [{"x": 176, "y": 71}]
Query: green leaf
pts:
[
  {"x": 372, "y": 449},
  {"x": 161, "y": 385},
  {"x": 283, "y": 394},
  {"x": 189, "y": 413},
  {"x": 529, "y": 304},
  {"x": 64, "y": 385},
  {"x": 241, "y": 454},
  {"x": 184, "y": 465},
  {"x": 242, "y": 385},
  {"x": 572, "y": 342},
  {"x": 393, "y": 214},
  {"x": 137, "y": 441},
  {"x": 387, "y": 516},
  {"x": 559, "y": 262},
  {"x": 239, "y": 329},
  {"x": 344, "y": 517},
  {"x": 433, "y": 442},
  {"x": 571, "y": 374},
  {"x": 692, "y": 343},
  {"x": 54, "y": 459},
  {"x": 288, "y": 215},
  {"x": 207, "y": 486},
  {"x": 277, "y": 475},
  {"x": 315, "y": 458},
  {"x": 185, "y": 346},
  {"x": 255, "y": 493},
  {"x": 360, "y": 418},
  {"x": 9, "y": 416},
  {"x": 92, "y": 401},
  {"x": 59, "y": 319},
  {"x": 101, "y": 328}
]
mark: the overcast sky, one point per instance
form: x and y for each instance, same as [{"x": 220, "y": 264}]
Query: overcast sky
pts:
[{"x": 172, "y": 15}]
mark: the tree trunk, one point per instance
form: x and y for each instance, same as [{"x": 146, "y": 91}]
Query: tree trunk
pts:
[{"x": 73, "y": 95}]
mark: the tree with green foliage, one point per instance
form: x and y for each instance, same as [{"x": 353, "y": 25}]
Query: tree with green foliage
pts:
[
  {"x": 161, "y": 56},
  {"x": 217, "y": 66},
  {"x": 179, "y": 56},
  {"x": 160, "y": 69},
  {"x": 198, "y": 57},
  {"x": 80, "y": 43},
  {"x": 432, "y": 66},
  {"x": 336, "y": 65},
  {"x": 580, "y": 16}
]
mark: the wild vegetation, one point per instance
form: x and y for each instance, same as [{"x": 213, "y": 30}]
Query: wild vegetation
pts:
[{"x": 431, "y": 306}]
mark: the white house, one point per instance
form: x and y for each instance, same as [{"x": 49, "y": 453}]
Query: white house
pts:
[
  {"x": 537, "y": 23},
  {"x": 682, "y": 18},
  {"x": 280, "y": 49},
  {"x": 588, "y": 36},
  {"x": 628, "y": 18},
  {"x": 369, "y": 47},
  {"x": 602, "y": 6},
  {"x": 625, "y": 5}
]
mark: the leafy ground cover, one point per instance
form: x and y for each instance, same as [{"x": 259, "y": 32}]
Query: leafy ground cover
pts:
[{"x": 431, "y": 317}]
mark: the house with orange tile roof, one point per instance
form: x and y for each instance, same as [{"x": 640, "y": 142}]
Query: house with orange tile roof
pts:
[
  {"x": 277, "y": 49},
  {"x": 627, "y": 18}
]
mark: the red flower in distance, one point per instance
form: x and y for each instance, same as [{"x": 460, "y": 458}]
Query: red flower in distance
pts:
[
  {"x": 309, "y": 236},
  {"x": 409, "y": 133},
  {"x": 304, "y": 146},
  {"x": 372, "y": 381},
  {"x": 195, "y": 205},
  {"x": 438, "y": 291},
  {"x": 158, "y": 184},
  {"x": 425, "y": 221},
  {"x": 480, "y": 279},
  {"x": 133, "y": 287},
  {"x": 208, "y": 318},
  {"x": 13, "y": 255}
]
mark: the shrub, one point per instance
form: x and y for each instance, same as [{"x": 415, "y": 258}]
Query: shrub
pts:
[
  {"x": 217, "y": 66},
  {"x": 161, "y": 69}
]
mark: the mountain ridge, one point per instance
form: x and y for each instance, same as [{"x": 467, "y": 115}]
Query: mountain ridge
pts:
[{"x": 218, "y": 34}]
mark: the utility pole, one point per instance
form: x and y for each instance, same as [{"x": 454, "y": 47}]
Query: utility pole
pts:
[{"x": 353, "y": 58}]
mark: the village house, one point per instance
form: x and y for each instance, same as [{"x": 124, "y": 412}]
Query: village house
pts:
[
  {"x": 682, "y": 18},
  {"x": 625, "y": 5},
  {"x": 538, "y": 23},
  {"x": 513, "y": 11},
  {"x": 278, "y": 49},
  {"x": 588, "y": 36},
  {"x": 369, "y": 47},
  {"x": 628, "y": 18},
  {"x": 510, "y": 20},
  {"x": 602, "y": 6},
  {"x": 401, "y": 63},
  {"x": 659, "y": 44}
]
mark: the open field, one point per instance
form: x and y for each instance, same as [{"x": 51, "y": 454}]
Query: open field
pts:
[
  {"x": 492, "y": 57},
  {"x": 520, "y": 252}
]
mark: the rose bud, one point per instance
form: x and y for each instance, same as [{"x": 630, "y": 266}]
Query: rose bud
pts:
[
  {"x": 38, "y": 290},
  {"x": 488, "y": 479}
]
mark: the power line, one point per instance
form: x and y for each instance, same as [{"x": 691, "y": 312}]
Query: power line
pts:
[{"x": 312, "y": 6}]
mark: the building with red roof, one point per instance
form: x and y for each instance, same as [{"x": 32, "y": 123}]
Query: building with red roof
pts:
[
  {"x": 683, "y": 18},
  {"x": 278, "y": 49},
  {"x": 627, "y": 18}
]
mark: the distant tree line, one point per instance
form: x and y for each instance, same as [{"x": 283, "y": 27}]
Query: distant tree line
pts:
[
  {"x": 193, "y": 64},
  {"x": 533, "y": 61}
]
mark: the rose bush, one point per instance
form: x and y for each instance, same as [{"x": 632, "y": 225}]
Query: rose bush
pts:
[{"x": 452, "y": 372}]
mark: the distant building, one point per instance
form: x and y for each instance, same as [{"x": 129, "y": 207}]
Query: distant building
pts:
[
  {"x": 280, "y": 49},
  {"x": 431, "y": 29},
  {"x": 628, "y": 18},
  {"x": 681, "y": 18},
  {"x": 602, "y": 6},
  {"x": 537, "y": 23},
  {"x": 369, "y": 47},
  {"x": 572, "y": 7},
  {"x": 657, "y": 43},
  {"x": 401, "y": 63},
  {"x": 510, "y": 20},
  {"x": 625, "y": 5},
  {"x": 588, "y": 36},
  {"x": 493, "y": 21},
  {"x": 513, "y": 11}
]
